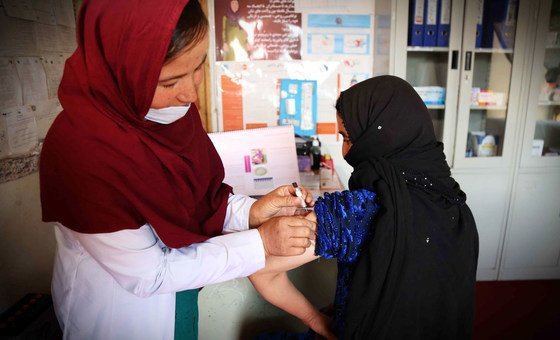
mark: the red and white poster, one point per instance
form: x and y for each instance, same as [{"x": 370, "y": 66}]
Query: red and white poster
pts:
[{"x": 257, "y": 30}]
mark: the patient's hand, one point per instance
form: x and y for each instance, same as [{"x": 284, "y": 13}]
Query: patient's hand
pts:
[{"x": 321, "y": 324}]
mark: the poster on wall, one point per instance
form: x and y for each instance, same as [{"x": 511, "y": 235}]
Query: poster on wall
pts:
[
  {"x": 257, "y": 30},
  {"x": 298, "y": 105},
  {"x": 342, "y": 37},
  {"x": 250, "y": 93},
  {"x": 266, "y": 47}
]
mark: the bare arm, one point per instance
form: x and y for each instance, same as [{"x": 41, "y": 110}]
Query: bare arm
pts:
[{"x": 273, "y": 284}]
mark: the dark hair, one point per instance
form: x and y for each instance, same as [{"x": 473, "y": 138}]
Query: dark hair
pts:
[{"x": 191, "y": 27}]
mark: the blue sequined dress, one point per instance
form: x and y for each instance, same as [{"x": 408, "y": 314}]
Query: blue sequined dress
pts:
[{"x": 343, "y": 220}]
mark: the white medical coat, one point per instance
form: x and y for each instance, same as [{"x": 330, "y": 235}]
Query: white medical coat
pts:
[{"x": 122, "y": 285}]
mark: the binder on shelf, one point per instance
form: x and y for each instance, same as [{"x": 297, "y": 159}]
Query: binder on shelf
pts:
[
  {"x": 416, "y": 27},
  {"x": 505, "y": 28},
  {"x": 444, "y": 22},
  {"x": 430, "y": 22},
  {"x": 479, "y": 27}
]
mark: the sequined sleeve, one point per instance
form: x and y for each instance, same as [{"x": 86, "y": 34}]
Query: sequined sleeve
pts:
[{"x": 343, "y": 220}]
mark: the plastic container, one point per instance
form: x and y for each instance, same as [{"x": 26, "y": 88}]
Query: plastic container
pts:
[{"x": 315, "y": 154}]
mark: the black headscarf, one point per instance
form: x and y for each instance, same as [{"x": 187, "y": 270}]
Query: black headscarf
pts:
[{"x": 415, "y": 279}]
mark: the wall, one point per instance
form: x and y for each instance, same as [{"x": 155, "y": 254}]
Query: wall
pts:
[
  {"x": 26, "y": 244},
  {"x": 44, "y": 32}
]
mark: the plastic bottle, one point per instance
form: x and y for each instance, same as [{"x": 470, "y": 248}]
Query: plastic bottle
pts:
[
  {"x": 315, "y": 154},
  {"x": 328, "y": 162}
]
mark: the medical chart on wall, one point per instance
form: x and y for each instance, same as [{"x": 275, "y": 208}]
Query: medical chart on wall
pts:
[{"x": 263, "y": 46}]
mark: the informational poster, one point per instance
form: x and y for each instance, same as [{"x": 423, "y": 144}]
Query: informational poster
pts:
[
  {"x": 258, "y": 160},
  {"x": 257, "y": 30},
  {"x": 298, "y": 105},
  {"x": 263, "y": 46},
  {"x": 250, "y": 92},
  {"x": 343, "y": 37}
]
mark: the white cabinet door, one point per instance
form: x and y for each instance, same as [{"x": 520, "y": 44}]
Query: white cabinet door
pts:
[
  {"x": 494, "y": 40},
  {"x": 488, "y": 197},
  {"x": 533, "y": 238}
]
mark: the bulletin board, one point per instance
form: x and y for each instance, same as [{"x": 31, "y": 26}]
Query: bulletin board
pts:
[
  {"x": 282, "y": 62},
  {"x": 36, "y": 37}
]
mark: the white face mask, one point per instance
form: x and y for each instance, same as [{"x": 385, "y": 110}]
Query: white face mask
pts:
[{"x": 167, "y": 115}]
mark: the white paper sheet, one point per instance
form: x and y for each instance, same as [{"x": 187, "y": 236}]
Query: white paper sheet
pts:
[
  {"x": 21, "y": 129},
  {"x": 353, "y": 6},
  {"x": 46, "y": 37},
  {"x": 64, "y": 12},
  {"x": 54, "y": 66},
  {"x": 10, "y": 86},
  {"x": 44, "y": 11},
  {"x": 17, "y": 37},
  {"x": 33, "y": 79},
  {"x": 19, "y": 9},
  {"x": 45, "y": 114},
  {"x": 4, "y": 147},
  {"x": 66, "y": 38}
]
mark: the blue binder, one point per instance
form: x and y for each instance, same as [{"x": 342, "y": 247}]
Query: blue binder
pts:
[
  {"x": 430, "y": 22},
  {"x": 505, "y": 27},
  {"x": 416, "y": 23},
  {"x": 479, "y": 27},
  {"x": 444, "y": 20}
]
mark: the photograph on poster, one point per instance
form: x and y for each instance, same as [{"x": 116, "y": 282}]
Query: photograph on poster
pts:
[{"x": 257, "y": 30}]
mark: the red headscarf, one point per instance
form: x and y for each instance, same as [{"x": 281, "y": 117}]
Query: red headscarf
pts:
[{"x": 103, "y": 167}]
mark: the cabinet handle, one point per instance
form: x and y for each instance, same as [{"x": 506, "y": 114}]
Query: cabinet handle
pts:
[
  {"x": 468, "y": 59},
  {"x": 454, "y": 59}
]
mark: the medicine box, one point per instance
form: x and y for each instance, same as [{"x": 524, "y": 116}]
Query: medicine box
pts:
[{"x": 431, "y": 95}]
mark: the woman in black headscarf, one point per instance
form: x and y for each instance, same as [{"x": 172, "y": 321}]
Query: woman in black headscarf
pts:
[{"x": 414, "y": 275}]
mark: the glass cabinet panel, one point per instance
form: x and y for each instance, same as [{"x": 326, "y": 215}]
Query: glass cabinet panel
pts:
[
  {"x": 427, "y": 54},
  {"x": 546, "y": 137},
  {"x": 492, "y": 66},
  {"x": 493, "y": 58},
  {"x": 427, "y": 50}
]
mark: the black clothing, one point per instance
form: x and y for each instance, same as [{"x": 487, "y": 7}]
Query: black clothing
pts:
[{"x": 415, "y": 279}]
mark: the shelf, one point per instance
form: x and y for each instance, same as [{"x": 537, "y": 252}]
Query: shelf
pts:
[
  {"x": 493, "y": 50},
  {"x": 489, "y": 107},
  {"x": 435, "y": 107},
  {"x": 552, "y": 47},
  {"x": 548, "y": 103},
  {"x": 427, "y": 49}
]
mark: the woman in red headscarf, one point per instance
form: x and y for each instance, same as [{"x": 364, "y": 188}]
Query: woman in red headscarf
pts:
[{"x": 135, "y": 185}]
